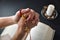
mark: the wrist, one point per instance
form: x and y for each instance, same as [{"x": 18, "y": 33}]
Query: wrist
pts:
[{"x": 14, "y": 19}]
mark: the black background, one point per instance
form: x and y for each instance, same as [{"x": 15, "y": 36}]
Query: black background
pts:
[{"x": 9, "y": 7}]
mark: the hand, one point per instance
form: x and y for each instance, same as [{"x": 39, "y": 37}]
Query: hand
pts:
[
  {"x": 33, "y": 19},
  {"x": 18, "y": 14},
  {"x": 29, "y": 19}
]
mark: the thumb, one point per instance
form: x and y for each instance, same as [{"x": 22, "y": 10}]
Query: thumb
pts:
[
  {"x": 22, "y": 21},
  {"x": 18, "y": 14}
]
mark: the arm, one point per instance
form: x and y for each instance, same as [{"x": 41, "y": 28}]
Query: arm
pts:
[
  {"x": 20, "y": 32},
  {"x": 5, "y": 21},
  {"x": 19, "y": 35}
]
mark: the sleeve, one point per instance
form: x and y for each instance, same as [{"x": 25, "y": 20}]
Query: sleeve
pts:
[{"x": 5, "y": 37}]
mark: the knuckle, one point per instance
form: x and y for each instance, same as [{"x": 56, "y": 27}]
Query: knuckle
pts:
[{"x": 32, "y": 10}]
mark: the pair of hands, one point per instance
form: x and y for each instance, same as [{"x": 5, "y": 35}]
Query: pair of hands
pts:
[
  {"x": 31, "y": 19},
  {"x": 25, "y": 18}
]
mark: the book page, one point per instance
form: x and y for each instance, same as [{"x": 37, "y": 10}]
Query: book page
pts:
[{"x": 41, "y": 32}]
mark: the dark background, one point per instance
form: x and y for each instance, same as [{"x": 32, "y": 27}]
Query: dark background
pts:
[{"x": 9, "y": 7}]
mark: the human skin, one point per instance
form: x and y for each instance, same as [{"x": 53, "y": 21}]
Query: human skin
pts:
[
  {"x": 31, "y": 21},
  {"x": 5, "y": 21}
]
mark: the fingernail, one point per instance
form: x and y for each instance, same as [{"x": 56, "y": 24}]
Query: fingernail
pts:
[
  {"x": 24, "y": 10},
  {"x": 27, "y": 9},
  {"x": 32, "y": 10}
]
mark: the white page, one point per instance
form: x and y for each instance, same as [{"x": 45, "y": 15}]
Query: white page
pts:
[{"x": 41, "y": 32}]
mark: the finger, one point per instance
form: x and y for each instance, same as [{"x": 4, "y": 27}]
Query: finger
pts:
[
  {"x": 20, "y": 12},
  {"x": 18, "y": 15},
  {"x": 22, "y": 21},
  {"x": 25, "y": 10},
  {"x": 36, "y": 19},
  {"x": 31, "y": 15}
]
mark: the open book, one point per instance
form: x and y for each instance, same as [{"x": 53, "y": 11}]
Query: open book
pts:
[{"x": 39, "y": 32}]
